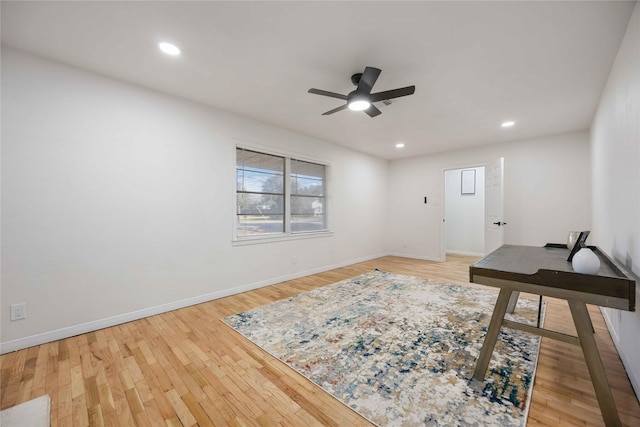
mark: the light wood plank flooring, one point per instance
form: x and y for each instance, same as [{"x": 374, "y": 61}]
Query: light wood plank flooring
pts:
[{"x": 188, "y": 368}]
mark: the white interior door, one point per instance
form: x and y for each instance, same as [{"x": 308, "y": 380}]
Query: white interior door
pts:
[{"x": 493, "y": 206}]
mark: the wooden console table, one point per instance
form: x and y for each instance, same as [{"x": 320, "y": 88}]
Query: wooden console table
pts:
[{"x": 545, "y": 271}]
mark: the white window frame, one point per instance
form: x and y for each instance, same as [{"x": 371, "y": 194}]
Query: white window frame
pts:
[{"x": 287, "y": 234}]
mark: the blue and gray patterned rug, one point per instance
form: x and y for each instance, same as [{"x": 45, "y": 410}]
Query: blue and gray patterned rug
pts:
[{"x": 401, "y": 350}]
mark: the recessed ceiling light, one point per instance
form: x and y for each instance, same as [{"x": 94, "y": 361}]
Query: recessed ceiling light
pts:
[
  {"x": 400, "y": 145},
  {"x": 169, "y": 48},
  {"x": 508, "y": 124}
]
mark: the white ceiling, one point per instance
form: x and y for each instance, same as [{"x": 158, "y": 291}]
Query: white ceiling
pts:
[{"x": 474, "y": 64}]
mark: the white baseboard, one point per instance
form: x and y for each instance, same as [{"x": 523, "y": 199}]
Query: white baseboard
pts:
[
  {"x": 83, "y": 328},
  {"x": 464, "y": 253},
  {"x": 633, "y": 377},
  {"x": 414, "y": 256}
]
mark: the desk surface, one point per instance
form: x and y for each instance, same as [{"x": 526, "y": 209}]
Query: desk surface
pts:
[{"x": 548, "y": 266}]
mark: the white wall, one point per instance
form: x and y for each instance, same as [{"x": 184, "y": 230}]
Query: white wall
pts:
[
  {"x": 464, "y": 214},
  {"x": 118, "y": 202},
  {"x": 615, "y": 158},
  {"x": 547, "y": 193}
]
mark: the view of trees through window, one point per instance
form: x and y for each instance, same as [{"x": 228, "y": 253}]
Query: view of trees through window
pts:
[{"x": 266, "y": 205}]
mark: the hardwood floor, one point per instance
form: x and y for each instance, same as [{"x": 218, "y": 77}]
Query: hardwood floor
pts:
[{"x": 187, "y": 368}]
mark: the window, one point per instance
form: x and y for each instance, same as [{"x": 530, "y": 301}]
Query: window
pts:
[
  {"x": 278, "y": 195},
  {"x": 307, "y": 196},
  {"x": 260, "y": 193}
]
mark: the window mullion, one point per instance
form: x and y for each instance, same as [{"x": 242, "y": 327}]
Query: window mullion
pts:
[{"x": 287, "y": 195}]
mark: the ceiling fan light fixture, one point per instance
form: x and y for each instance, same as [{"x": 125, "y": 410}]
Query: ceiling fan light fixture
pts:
[
  {"x": 359, "y": 105},
  {"x": 169, "y": 48}
]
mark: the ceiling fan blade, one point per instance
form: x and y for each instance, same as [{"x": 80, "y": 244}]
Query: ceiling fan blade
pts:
[
  {"x": 372, "y": 111},
  {"x": 368, "y": 79},
  {"x": 395, "y": 93},
  {"x": 327, "y": 93},
  {"x": 335, "y": 110}
]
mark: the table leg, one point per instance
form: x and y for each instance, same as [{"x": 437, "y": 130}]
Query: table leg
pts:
[
  {"x": 492, "y": 334},
  {"x": 513, "y": 301},
  {"x": 594, "y": 363}
]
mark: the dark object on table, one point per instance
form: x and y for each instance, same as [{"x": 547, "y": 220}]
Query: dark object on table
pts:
[{"x": 579, "y": 244}]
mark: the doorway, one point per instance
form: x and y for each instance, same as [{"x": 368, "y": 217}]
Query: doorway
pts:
[
  {"x": 464, "y": 211},
  {"x": 473, "y": 209}
]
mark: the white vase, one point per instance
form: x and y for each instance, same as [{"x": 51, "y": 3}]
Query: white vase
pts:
[{"x": 586, "y": 262}]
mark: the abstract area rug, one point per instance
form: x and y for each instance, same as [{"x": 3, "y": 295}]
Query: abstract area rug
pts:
[
  {"x": 401, "y": 350},
  {"x": 33, "y": 413}
]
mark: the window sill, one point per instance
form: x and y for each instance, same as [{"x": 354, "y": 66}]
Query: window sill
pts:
[{"x": 242, "y": 241}]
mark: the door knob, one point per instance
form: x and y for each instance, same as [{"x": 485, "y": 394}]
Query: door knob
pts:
[{"x": 500, "y": 223}]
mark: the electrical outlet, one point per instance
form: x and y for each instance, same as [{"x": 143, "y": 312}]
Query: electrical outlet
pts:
[
  {"x": 294, "y": 259},
  {"x": 19, "y": 311}
]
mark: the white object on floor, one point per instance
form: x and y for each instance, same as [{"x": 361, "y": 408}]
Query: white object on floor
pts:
[{"x": 34, "y": 413}]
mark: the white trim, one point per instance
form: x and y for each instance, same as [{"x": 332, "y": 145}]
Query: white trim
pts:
[
  {"x": 83, "y": 328},
  {"x": 606, "y": 314},
  {"x": 633, "y": 377},
  {"x": 414, "y": 256},
  {"x": 464, "y": 253},
  {"x": 280, "y": 237},
  {"x": 268, "y": 149}
]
